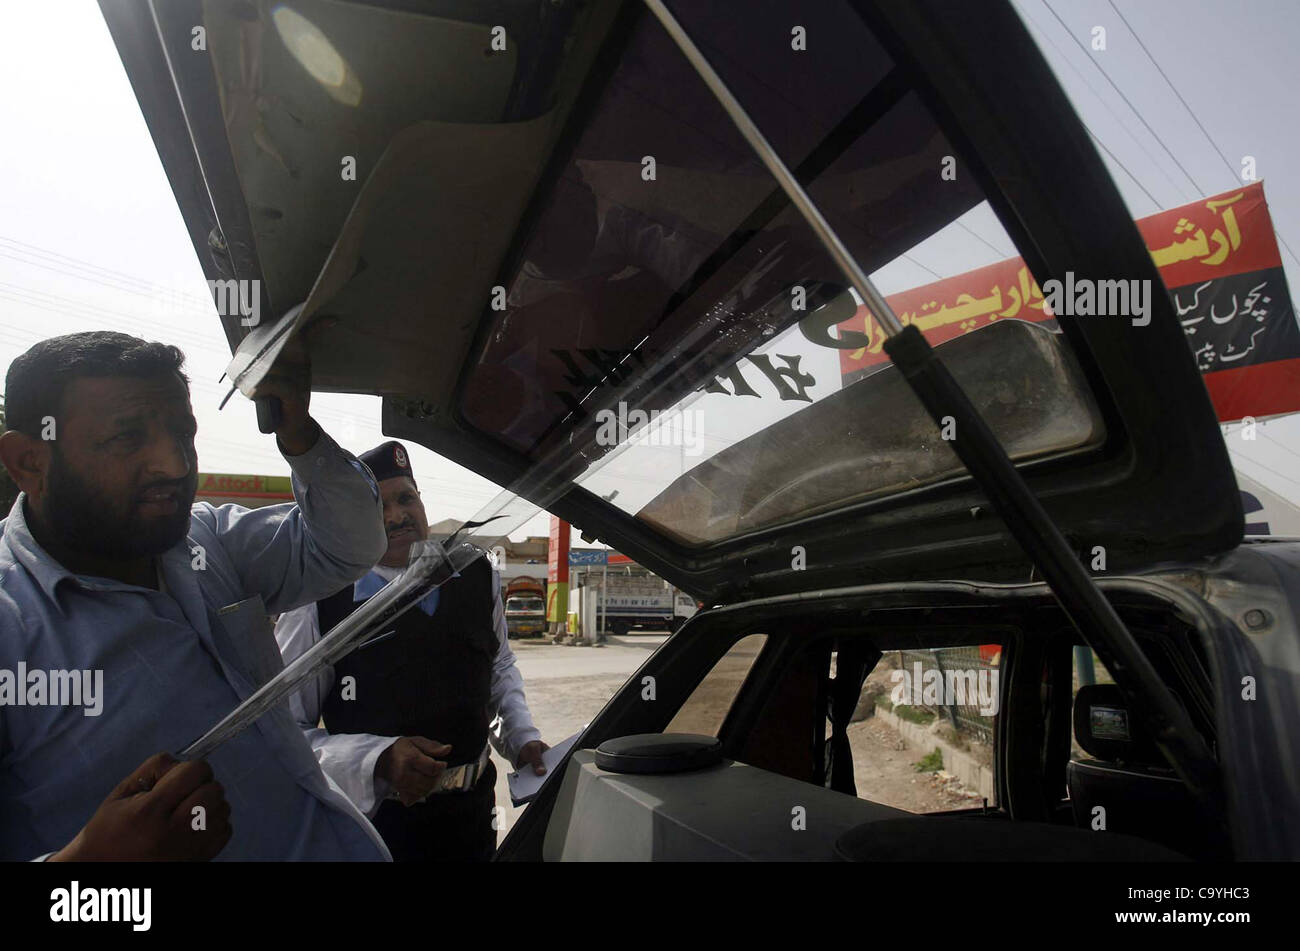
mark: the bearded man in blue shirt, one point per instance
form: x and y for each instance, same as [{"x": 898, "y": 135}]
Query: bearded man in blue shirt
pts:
[{"x": 114, "y": 580}]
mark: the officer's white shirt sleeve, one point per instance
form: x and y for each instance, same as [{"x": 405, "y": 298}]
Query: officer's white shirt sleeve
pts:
[
  {"x": 513, "y": 726},
  {"x": 347, "y": 758}
]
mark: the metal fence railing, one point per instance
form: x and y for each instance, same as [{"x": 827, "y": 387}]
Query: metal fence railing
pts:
[{"x": 967, "y": 680}]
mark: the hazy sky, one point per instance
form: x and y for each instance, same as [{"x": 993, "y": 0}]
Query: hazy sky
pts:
[
  {"x": 90, "y": 236},
  {"x": 1232, "y": 62}
]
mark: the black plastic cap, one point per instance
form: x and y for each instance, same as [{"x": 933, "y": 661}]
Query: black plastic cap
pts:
[{"x": 659, "y": 753}]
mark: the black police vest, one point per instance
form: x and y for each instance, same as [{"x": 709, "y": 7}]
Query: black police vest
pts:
[{"x": 430, "y": 678}]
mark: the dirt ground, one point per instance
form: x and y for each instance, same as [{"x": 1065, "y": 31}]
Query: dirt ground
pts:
[
  {"x": 884, "y": 766},
  {"x": 884, "y": 770}
]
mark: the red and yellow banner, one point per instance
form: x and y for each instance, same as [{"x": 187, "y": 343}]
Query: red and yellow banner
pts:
[
  {"x": 227, "y": 485},
  {"x": 1220, "y": 264}
]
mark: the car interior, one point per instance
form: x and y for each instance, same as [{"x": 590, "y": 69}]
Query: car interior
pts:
[{"x": 780, "y": 692}]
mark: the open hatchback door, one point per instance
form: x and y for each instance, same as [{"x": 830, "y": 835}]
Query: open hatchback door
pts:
[
  {"x": 562, "y": 267},
  {"x": 536, "y": 232}
]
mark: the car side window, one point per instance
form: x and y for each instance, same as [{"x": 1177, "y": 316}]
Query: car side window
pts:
[
  {"x": 1088, "y": 669},
  {"x": 707, "y": 707},
  {"x": 922, "y": 736}
]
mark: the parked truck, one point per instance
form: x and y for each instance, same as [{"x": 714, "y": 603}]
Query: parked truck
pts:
[
  {"x": 525, "y": 603},
  {"x": 630, "y": 602}
]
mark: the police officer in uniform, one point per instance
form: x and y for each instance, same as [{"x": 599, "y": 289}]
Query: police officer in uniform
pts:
[{"x": 408, "y": 716}]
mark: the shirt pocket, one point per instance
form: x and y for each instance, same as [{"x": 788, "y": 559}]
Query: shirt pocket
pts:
[{"x": 251, "y": 637}]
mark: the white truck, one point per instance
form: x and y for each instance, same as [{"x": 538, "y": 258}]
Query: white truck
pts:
[
  {"x": 649, "y": 603},
  {"x": 525, "y": 607}
]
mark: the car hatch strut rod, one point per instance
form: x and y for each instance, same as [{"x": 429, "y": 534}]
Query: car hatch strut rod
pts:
[{"x": 985, "y": 459}]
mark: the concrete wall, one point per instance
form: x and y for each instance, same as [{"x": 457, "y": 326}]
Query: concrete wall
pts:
[{"x": 972, "y": 773}]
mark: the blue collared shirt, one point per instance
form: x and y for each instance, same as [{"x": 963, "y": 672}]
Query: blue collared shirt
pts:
[
  {"x": 175, "y": 661},
  {"x": 373, "y": 582}
]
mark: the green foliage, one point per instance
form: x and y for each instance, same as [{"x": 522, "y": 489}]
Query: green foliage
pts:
[
  {"x": 930, "y": 762},
  {"x": 913, "y": 714}
]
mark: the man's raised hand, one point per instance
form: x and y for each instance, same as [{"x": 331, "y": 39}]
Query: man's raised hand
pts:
[{"x": 290, "y": 383}]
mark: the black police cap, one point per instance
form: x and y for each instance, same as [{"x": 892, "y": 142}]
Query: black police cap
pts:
[{"x": 389, "y": 460}]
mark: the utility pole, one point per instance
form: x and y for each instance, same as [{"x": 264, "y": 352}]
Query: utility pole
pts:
[{"x": 604, "y": 605}]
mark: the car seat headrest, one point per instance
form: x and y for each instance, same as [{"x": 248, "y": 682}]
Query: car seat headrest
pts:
[{"x": 1107, "y": 729}]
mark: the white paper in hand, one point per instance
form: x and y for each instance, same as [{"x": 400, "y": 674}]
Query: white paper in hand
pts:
[{"x": 524, "y": 783}]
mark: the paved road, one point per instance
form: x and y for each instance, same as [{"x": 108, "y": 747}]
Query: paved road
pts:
[{"x": 567, "y": 686}]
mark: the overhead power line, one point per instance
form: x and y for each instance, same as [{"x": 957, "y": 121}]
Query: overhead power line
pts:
[
  {"x": 70, "y": 307},
  {"x": 1120, "y": 92},
  {"x": 1232, "y": 171},
  {"x": 1280, "y": 475},
  {"x": 1155, "y": 163},
  {"x": 971, "y": 231},
  {"x": 1136, "y": 181},
  {"x": 132, "y": 282}
]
